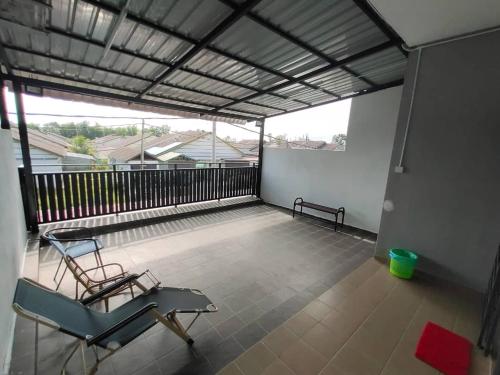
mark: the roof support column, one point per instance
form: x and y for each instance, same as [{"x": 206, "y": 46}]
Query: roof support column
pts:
[
  {"x": 260, "y": 124},
  {"x": 25, "y": 149},
  {"x": 3, "y": 107}
]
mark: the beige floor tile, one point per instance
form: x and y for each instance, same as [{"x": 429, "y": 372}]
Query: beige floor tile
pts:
[
  {"x": 323, "y": 340},
  {"x": 317, "y": 309},
  {"x": 230, "y": 369},
  {"x": 331, "y": 369},
  {"x": 382, "y": 331},
  {"x": 303, "y": 360},
  {"x": 300, "y": 323},
  {"x": 333, "y": 296},
  {"x": 480, "y": 365},
  {"x": 360, "y": 274},
  {"x": 255, "y": 360},
  {"x": 280, "y": 339},
  {"x": 277, "y": 368},
  {"x": 343, "y": 324},
  {"x": 353, "y": 362}
]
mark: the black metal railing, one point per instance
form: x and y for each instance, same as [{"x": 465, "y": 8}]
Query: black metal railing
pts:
[{"x": 72, "y": 195}]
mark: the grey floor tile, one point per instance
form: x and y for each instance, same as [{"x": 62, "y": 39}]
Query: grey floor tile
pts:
[{"x": 249, "y": 335}]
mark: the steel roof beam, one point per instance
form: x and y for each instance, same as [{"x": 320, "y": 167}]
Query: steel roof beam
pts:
[
  {"x": 237, "y": 14},
  {"x": 161, "y": 62},
  {"x": 109, "y": 95},
  {"x": 395, "y": 83},
  {"x": 176, "y": 34},
  {"x": 315, "y": 73},
  {"x": 184, "y": 101},
  {"x": 114, "y": 30},
  {"x": 367, "y": 9},
  {"x": 293, "y": 39},
  {"x": 131, "y": 76}
]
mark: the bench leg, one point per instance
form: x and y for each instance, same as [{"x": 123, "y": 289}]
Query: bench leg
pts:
[
  {"x": 343, "y": 214},
  {"x": 293, "y": 211},
  {"x": 336, "y": 220}
]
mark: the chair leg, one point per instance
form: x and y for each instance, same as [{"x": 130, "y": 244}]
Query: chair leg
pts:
[
  {"x": 58, "y": 267},
  {"x": 61, "y": 279},
  {"x": 72, "y": 352},
  {"x": 99, "y": 259},
  {"x": 172, "y": 323}
]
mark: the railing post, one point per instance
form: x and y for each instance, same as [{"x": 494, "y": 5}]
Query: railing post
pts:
[
  {"x": 176, "y": 188},
  {"x": 115, "y": 190},
  {"x": 253, "y": 180},
  {"x": 261, "y": 155},
  {"x": 219, "y": 182}
]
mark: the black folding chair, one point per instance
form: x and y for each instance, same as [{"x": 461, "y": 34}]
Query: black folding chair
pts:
[{"x": 109, "y": 330}]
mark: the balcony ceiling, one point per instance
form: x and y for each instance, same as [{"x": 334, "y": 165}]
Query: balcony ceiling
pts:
[
  {"x": 425, "y": 21},
  {"x": 228, "y": 60}
]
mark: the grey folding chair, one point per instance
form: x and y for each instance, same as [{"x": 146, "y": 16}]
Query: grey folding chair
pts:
[
  {"x": 73, "y": 246},
  {"x": 109, "y": 330}
]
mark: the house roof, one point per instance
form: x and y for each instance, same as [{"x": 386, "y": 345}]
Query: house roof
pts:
[
  {"x": 226, "y": 60},
  {"x": 132, "y": 151},
  {"x": 42, "y": 141},
  {"x": 171, "y": 156}
]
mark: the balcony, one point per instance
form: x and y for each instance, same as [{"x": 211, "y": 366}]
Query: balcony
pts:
[{"x": 294, "y": 297}]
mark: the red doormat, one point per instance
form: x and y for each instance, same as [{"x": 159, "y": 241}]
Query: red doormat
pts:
[{"x": 444, "y": 350}]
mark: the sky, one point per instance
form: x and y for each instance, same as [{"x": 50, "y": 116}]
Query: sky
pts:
[{"x": 319, "y": 123}]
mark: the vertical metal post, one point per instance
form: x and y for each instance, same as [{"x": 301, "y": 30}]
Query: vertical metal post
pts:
[
  {"x": 176, "y": 187},
  {"x": 214, "y": 136},
  {"x": 142, "y": 145},
  {"x": 115, "y": 190},
  {"x": 25, "y": 149},
  {"x": 261, "y": 154},
  {"x": 3, "y": 107},
  {"x": 219, "y": 190}
]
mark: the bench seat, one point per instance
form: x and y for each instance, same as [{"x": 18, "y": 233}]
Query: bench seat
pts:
[{"x": 334, "y": 211}]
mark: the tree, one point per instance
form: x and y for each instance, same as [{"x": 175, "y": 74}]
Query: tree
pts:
[
  {"x": 81, "y": 145},
  {"x": 339, "y": 139},
  {"x": 159, "y": 130}
]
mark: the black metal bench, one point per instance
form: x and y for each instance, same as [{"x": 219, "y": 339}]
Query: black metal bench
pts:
[{"x": 334, "y": 211}]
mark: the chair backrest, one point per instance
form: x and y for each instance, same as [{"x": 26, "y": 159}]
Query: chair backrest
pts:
[
  {"x": 39, "y": 303},
  {"x": 55, "y": 242},
  {"x": 77, "y": 271}
]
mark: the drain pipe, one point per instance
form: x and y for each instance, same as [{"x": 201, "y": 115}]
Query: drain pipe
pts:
[{"x": 399, "y": 168}]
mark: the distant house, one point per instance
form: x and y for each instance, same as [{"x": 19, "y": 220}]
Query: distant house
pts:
[
  {"x": 188, "y": 149},
  {"x": 49, "y": 152},
  {"x": 307, "y": 145},
  {"x": 247, "y": 146},
  {"x": 109, "y": 143}
]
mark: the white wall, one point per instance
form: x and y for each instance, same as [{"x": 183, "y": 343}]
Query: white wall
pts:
[
  {"x": 355, "y": 178},
  {"x": 13, "y": 240}
]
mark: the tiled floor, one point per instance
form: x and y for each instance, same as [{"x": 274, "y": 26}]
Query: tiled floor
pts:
[
  {"x": 368, "y": 323},
  {"x": 257, "y": 264}
]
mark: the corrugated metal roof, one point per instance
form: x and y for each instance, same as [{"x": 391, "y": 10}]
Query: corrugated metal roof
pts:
[{"x": 219, "y": 59}]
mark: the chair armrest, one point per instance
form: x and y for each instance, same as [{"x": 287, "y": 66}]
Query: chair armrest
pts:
[
  {"x": 106, "y": 265},
  {"x": 55, "y": 230},
  {"x": 94, "y": 240},
  {"x": 122, "y": 323},
  {"x": 103, "y": 292}
]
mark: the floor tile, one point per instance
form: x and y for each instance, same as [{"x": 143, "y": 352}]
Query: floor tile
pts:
[
  {"x": 255, "y": 360},
  {"x": 302, "y": 359}
]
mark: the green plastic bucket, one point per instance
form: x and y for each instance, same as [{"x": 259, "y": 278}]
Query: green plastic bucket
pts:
[{"x": 402, "y": 263}]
